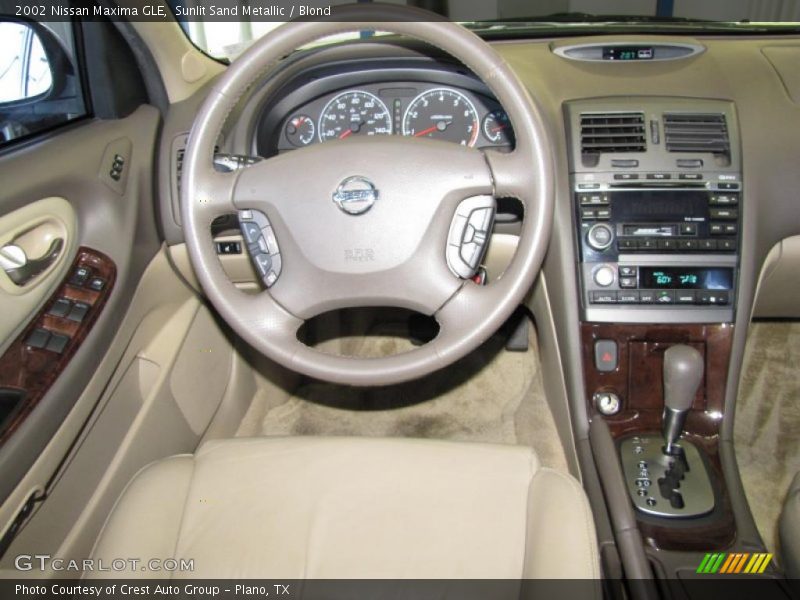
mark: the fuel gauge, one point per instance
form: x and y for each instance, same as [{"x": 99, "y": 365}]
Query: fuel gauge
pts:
[
  {"x": 300, "y": 130},
  {"x": 497, "y": 128}
]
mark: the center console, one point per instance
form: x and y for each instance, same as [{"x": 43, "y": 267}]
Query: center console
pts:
[
  {"x": 657, "y": 196},
  {"x": 657, "y": 229}
]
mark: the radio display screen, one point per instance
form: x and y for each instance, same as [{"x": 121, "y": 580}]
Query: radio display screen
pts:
[
  {"x": 686, "y": 278},
  {"x": 653, "y": 206}
]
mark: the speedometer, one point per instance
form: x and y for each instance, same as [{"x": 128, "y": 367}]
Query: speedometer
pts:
[
  {"x": 443, "y": 114},
  {"x": 354, "y": 113}
]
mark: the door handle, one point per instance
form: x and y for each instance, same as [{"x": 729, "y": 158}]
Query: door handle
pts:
[{"x": 21, "y": 270}]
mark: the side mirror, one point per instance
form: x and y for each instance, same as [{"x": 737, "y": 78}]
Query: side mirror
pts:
[{"x": 33, "y": 64}]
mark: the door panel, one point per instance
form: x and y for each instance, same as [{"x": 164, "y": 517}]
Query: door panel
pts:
[
  {"x": 91, "y": 185},
  {"x": 36, "y": 230}
]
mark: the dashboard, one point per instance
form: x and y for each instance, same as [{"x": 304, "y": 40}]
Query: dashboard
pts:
[{"x": 425, "y": 103}]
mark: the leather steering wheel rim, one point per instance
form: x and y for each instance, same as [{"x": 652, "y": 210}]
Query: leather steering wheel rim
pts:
[{"x": 468, "y": 314}]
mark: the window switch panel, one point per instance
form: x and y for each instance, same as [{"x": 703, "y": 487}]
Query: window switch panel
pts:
[
  {"x": 78, "y": 312},
  {"x": 57, "y": 343},
  {"x": 38, "y": 338},
  {"x": 60, "y": 308}
]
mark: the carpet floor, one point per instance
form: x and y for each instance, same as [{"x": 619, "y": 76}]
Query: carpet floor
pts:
[
  {"x": 767, "y": 426},
  {"x": 490, "y": 395}
]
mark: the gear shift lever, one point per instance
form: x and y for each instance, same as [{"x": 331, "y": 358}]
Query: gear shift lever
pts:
[{"x": 683, "y": 371}]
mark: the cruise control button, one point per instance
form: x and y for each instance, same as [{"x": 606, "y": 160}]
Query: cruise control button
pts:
[
  {"x": 481, "y": 219},
  {"x": 457, "y": 230}
]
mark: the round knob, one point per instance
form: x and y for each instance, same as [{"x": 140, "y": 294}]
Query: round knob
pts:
[
  {"x": 600, "y": 236},
  {"x": 604, "y": 276}
]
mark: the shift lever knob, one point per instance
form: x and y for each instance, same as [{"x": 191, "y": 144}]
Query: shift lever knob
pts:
[{"x": 683, "y": 371}]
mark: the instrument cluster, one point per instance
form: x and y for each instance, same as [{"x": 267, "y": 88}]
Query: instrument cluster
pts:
[{"x": 410, "y": 109}]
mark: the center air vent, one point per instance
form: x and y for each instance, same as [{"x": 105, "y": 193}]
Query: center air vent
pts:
[
  {"x": 612, "y": 132},
  {"x": 695, "y": 133}
]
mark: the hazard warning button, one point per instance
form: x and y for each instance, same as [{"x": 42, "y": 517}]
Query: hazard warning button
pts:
[{"x": 605, "y": 355}]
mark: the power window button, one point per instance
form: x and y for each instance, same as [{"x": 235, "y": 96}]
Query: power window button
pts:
[
  {"x": 78, "y": 312},
  {"x": 60, "y": 308},
  {"x": 38, "y": 338}
]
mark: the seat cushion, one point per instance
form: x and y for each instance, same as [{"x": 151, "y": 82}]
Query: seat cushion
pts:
[
  {"x": 354, "y": 508},
  {"x": 789, "y": 530}
]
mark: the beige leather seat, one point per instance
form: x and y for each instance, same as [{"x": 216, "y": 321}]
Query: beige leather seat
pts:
[
  {"x": 790, "y": 530},
  {"x": 355, "y": 508}
]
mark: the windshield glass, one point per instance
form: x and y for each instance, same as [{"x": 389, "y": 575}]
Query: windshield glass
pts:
[{"x": 225, "y": 34}]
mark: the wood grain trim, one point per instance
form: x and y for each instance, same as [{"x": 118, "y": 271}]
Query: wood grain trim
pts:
[
  {"x": 33, "y": 371},
  {"x": 638, "y": 381}
]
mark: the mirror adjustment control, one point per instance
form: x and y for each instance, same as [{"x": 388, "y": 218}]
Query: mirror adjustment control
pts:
[{"x": 600, "y": 236}]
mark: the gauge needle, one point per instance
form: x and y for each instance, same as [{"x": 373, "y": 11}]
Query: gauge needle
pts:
[
  {"x": 499, "y": 127},
  {"x": 426, "y": 131},
  {"x": 346, "y": 134}
]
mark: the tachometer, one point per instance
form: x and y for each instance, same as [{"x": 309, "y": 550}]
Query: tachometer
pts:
[
  {"x": 443, "y": 114},
  {"x": 354, "y": 113}
]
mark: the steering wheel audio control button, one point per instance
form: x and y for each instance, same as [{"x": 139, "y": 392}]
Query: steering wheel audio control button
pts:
[
  {"x": 251, "y": 232},
  {"x": 262, "y": 245},
  {"x": 469, "y": 233}
]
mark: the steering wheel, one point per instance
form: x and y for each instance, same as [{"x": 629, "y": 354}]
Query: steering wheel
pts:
[{"x": 370, "y": 220}]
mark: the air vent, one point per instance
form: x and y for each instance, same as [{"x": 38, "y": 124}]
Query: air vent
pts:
[
  {"x": 612, "y": 132},
  {"x": 695, "y": 133}
]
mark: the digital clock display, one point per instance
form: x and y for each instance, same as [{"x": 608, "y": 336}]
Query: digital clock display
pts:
[
  {"x": 628, "y": 53},
  {"x": 686, "y": 278}
]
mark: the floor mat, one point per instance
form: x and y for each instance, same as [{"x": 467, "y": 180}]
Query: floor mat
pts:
[
  {"x": 489, "y": 396},
  {"x": 767, "y": 426}
]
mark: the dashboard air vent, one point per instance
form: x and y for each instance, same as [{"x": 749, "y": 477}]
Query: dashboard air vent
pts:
[
  {"x": 612, "y": 132},
  {"x": 696, "y": 132}
]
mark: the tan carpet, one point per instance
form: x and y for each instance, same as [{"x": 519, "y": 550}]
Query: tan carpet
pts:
[
  {"x": 489, "y": 396},
  {"x": 767, "y": 426}
]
